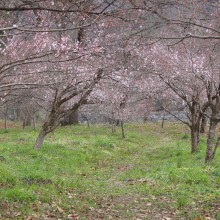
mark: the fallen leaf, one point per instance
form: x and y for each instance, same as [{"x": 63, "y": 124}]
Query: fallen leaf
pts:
[
  {"x": 72, "y": 216},
  {"x": 60, "y": 209}
]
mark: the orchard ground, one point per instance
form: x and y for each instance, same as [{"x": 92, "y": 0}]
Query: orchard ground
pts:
[{"x": 90, "y": 173}]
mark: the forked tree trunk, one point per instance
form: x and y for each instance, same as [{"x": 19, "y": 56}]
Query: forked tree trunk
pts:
[
  {"x": 40, "y": 139},
  {"x": 210, "y": 142},
  {"x": 57, "y": 111}
]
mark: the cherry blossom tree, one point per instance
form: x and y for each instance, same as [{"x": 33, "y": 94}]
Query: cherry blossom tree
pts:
[
  {"x": 193, "y": 24},
  {"x": 57, "y": 51},
  {"x": 180, "y": 70}
]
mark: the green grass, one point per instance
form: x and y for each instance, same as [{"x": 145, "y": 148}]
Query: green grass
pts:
[{"x": 91, "y": 173}]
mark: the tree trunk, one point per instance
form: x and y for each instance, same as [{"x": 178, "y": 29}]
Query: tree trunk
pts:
[
  {"x": 26, "y": 121},
  {"x": 49, "y": 125},
  {"x": 117, "y": 122},
  {"x": 145, "y": 119},
  {"x": 5, "y": 122},
  {"x": 122, "y": 129},
  {"x": 34, "y": 122},
  {"x": 113, "y": 128},
  {"x": 163, "y": 120},
  {"x": 88, "y": 125},
  {"x": 5, "y": 117},
  {"x": 210, "y": 142},
  {"x": 216, "y": 146},
  {"x": 23, "y": 122},
  {"x": 40, "y": 139},
  {"x": 194, "y": 139},
  {"x": 17, "y": 114},
  {"x": 87, "y": 119},
  {"x": 203, "y": 124},
  {"x": 198, "y": 135}
]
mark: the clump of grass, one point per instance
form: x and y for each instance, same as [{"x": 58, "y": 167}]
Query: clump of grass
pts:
[
  {"x": 217, "y": 217},
  {"x": 6, "y": 131},
  {"x": 182, "y": 201},
  {"x": 186, "y": 136},
  {"x": 104, "y": 143},
  {"x": 7, "y": 177},
  {"x": 19, "y": 195},
  {"x": 179, "y": 162}
]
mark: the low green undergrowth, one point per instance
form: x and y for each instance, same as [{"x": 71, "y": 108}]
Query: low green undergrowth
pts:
[{"x": 91, "y": 173}]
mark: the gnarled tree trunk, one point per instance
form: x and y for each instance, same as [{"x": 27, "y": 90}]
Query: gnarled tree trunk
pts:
[{"x": 49, "y": 125}]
